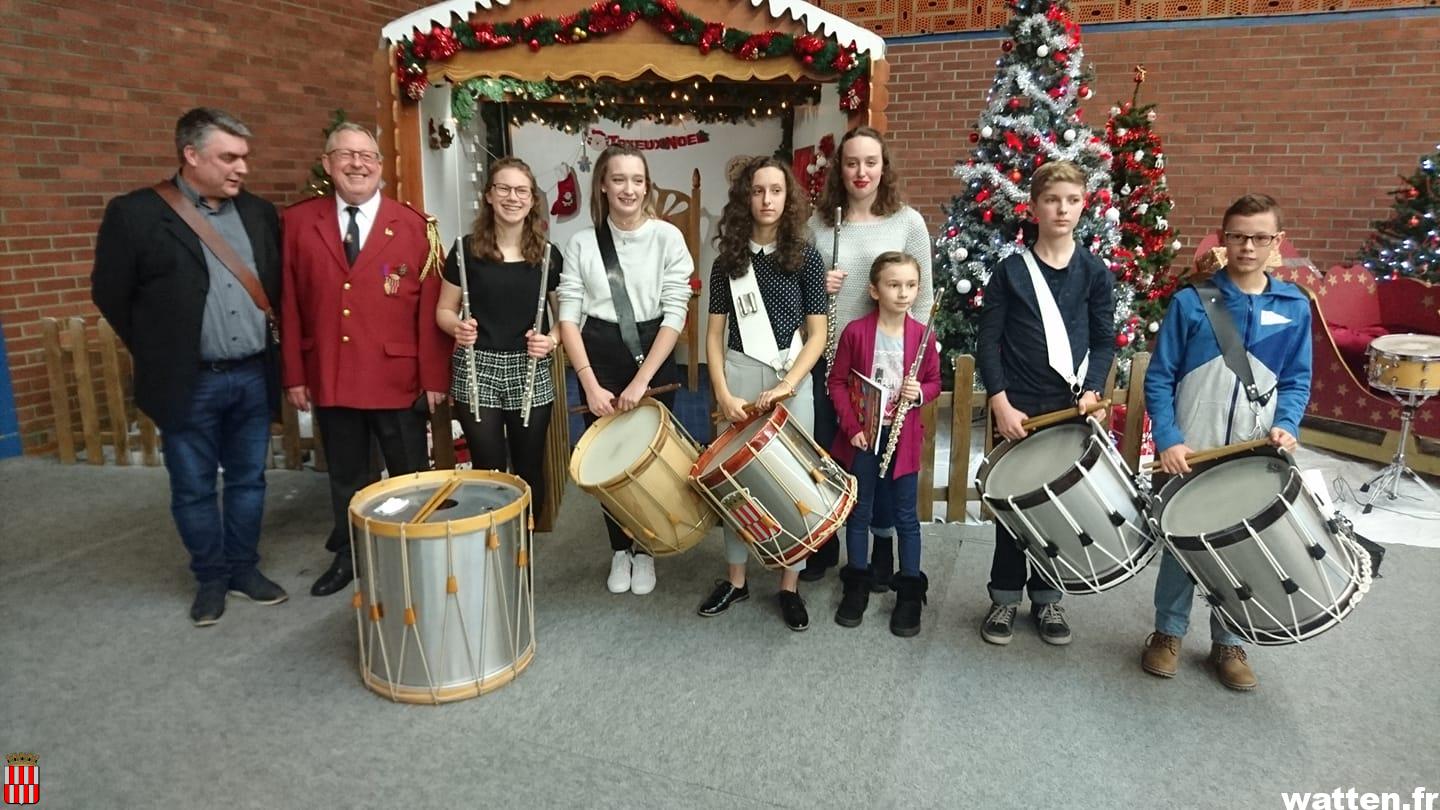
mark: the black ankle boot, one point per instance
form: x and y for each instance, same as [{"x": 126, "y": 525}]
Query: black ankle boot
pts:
[
  {"x": 856, "y": 597},
  {"x": 882, "y": 563},
  {"x": 909, "y": 597}
]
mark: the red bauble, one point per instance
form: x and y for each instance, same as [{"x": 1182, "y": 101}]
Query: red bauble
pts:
[
  {"x": 987, "y": 215},
  {"x": 534, "y": 44},
  {"x": 1412, "y": 193},
  {"x": 982, "y": 195},
  {"x": 1122, "y": 340},
  {"x": 809, "y": 60},
  {"x": 1039, "y": 161},
  {"x": 1016, "y": 176},
  {"x": 1014, "y": 103},
  {"x": 952, "y": 231},
  {"x": 1008, "y": 45},
  {"x": 1021, "y": 209},
  {"x": 704, "y": 48},
  {"x": 974, "y": 137},
  {"x": 1034, "y": 141},
  {"x": 1414, "y": 221},
  {"x": 615, "y": 9}
]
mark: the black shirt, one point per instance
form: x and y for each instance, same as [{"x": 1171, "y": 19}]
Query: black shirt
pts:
[
  {"x": 1012, "y": 352},
  {"x": 789, "y": 296},
  {"x": 503, "y": 297}
]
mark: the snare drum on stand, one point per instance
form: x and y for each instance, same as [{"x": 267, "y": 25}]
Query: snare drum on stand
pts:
[
  {"x": 443, "y": 583},
  {"x": 1407, "y": 367}
]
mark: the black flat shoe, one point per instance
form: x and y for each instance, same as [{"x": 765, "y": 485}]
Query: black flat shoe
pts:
[
  {"x": 337, "y": 576},
  {"x": 792, "y": 609},
  {"x": 722, "y": 598}
]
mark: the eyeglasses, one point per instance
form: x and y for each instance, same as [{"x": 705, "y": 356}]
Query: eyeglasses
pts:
[
  {"x": 520, "y": 192},
  {"x": 347, "y": 155},
  {"x": 1234, "y": 239}
]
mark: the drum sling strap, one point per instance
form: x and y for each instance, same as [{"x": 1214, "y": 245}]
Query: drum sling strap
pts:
[
  {"x": 1231, "y": 346},
  {"x": 624, "y": 312},
  {"x": 212, "y": 239}
]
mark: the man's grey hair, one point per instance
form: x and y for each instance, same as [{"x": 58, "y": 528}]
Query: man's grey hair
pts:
[
  {"x": 349, "y": 126},
  {"x": 195, "y": 126}
]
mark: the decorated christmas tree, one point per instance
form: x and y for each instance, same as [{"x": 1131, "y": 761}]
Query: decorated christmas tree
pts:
[
  {"x": 1144, "y": 282},
  {"x": 1031, "y": 117},
  {"x": 1408, "y": 243}
]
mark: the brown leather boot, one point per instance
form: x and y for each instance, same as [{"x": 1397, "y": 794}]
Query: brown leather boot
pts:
[
  {"x": 1232, "y": 667},
  {"x": 1162, "y": 655}
]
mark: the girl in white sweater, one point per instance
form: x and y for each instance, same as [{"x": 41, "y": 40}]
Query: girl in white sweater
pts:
[{"x": 656, "y": 268}]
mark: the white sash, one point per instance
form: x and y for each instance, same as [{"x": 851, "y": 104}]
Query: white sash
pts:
[
  {"x": 1057, "y": 339},
  {"x": 757, "y": 335}
]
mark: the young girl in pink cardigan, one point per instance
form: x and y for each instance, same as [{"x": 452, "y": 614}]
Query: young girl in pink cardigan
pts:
[{"x": 882, "y": 346}]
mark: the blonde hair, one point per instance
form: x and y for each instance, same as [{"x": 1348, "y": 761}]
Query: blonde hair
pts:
[{"x": 1060, "y": 171}]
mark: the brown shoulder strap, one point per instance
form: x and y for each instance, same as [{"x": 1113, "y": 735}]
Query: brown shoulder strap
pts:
[{"x": 217, "y": 244}]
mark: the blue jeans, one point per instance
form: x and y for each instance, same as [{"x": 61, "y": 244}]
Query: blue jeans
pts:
[
  {"x": 1174, "y": 595},
  {"x": 228, "y": 426},
  {"x": 873, "y": 493}
]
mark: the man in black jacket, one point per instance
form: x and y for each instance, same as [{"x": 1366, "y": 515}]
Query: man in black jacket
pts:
[{"x": 205, "y": 361}]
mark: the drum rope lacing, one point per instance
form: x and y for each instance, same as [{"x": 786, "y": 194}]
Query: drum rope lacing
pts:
[{"x": 1345, "y": 537}]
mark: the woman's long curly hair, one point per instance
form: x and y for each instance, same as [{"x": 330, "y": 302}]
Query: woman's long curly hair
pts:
[
  {"x": 534, "y": 231},
  {"x": 737, "y": 223},
  {"x": 887, "y": 196}
]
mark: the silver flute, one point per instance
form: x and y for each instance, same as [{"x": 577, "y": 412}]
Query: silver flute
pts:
[
  {"x": 534, "y": 365},
  {"x": 472, "y": 378},
  {"x": 830, "y": 329},
  {"x": 903, "y": 409}
]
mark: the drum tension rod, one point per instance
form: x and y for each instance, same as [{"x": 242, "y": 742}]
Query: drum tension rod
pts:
[
  {"x": 1085, "y": 538},
  {"x": 1117, "y": 520},
  {"x": 1317, "y": 551},
  {"x": 1243, "y": 593},
  {"x": 1289, "y": 585}
]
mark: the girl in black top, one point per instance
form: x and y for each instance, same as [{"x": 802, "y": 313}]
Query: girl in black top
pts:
[
  {"x": 503, "y": 254},
  {"x": 762, "y": 231}
]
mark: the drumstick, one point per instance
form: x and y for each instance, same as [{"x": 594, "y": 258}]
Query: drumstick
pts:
[
  {"x": 1048, "y": 419},
  {"x": 751, "y": 408},
  {"x": 1216, "y": 452},
  {"x": 649, "y": 392}
]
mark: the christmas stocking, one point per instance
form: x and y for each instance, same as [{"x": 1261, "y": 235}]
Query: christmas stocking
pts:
[{"x": 567, "y": 196}]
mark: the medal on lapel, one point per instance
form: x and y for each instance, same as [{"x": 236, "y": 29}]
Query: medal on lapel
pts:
[{"x": 392, "y": 278}]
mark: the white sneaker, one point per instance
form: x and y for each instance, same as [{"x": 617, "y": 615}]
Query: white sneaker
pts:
[
  {"x": 642, "y": 576},
  {"x": 619, "y": 581}
]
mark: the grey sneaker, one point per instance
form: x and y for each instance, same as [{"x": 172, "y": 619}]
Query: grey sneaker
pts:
[
  {"x": 1050, "y": 621},
  {"x": 999, "y": 625}
]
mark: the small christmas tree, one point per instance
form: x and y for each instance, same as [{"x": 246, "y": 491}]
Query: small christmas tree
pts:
[
  {"x": 1144, "y": 283},
  {"x": 1032, "y": 116},
  {"x": 319, "y": 183},
  {"x": 1408, "y": 243}
]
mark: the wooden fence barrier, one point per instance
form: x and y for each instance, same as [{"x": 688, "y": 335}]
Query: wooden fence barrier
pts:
[{"x": 957, "y": 490}]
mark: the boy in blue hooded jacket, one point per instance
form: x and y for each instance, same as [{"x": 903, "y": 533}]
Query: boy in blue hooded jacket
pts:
[{"x": 1196, "y": 402}]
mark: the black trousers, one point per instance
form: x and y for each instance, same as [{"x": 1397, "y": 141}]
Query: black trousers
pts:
[
  {"x": 614, "y": 368},
  {"x": 348, "y": 434},
  {"x": 1009, "y": 568},
  {"x": 498, "y": 441}
]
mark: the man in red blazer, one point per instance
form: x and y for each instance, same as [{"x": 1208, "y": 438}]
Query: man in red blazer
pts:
[{"x": 358, "y": 333}]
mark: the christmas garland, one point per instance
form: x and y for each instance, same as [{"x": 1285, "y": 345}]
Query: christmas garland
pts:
[
  {"x": 575, "y": 103},
  {"x": 824, "y": 56}
]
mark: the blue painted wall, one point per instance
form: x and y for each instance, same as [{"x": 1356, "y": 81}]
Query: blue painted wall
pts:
[{"x": 9, "y": 426}]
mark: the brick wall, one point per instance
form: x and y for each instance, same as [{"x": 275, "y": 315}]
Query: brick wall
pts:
[
  {"x": 90, "y": 99},
  {"x": 1323, "y": 115},
  {"x": 1326, "y": 114}
]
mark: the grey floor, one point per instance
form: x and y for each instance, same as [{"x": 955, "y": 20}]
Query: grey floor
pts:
[{"x": 637, "y": 702}]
